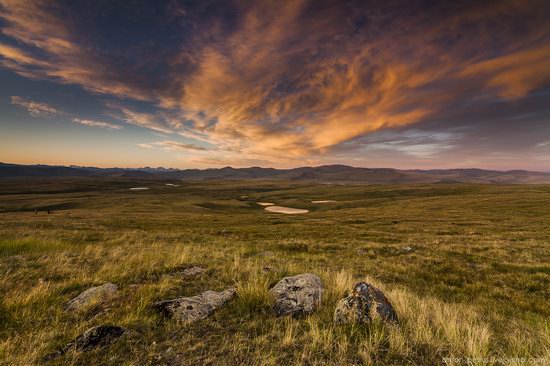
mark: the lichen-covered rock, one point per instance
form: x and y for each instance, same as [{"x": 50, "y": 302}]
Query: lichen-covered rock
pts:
[
  {"x": 364, "y": 304},
  {"x": 92, "y": 338},
  {"x": 297, "y": 295},
  {"x": 192, "y": 309},
  {"x": 92, "y": 296}
]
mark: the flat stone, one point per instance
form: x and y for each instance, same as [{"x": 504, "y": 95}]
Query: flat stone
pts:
[
  {"x": 192, "y": 309},
  {"x": 98, "y": 336},
  {"x": 92, "y": 296}
]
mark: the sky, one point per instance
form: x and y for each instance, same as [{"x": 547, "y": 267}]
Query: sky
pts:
[{"x": 202, "y": 84}]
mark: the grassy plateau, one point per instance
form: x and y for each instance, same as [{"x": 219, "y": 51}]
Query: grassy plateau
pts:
[{"x": 467, "y": 268}]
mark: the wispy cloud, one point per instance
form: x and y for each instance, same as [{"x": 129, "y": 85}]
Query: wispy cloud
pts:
[
  {"x": 510, "y": 76},
  {"x": 169, "y": 145},
  {"x": 35, "y": 109},
  {"x": 415, "y": 143},
  {"x": 101, "y": 124},
  {"x": 146, "y": 120}
]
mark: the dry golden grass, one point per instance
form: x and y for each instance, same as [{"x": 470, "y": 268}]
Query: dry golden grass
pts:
[{"x": 461, "y": 295}]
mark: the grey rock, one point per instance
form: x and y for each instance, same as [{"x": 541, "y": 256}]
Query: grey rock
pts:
[
  {"x": 92, "y": 296},
  {"x": 368, "y": 252},
  {"x": 192, "y": 309},
  {"x": 193, "y": 271},
  {"x": 98, "y": 336},
  {"x": 364, "y": 304},
  {"x": 297, "y": 295}
]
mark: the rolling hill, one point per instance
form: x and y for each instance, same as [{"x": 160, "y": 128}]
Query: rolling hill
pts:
[{"x": 340, "y": 174}]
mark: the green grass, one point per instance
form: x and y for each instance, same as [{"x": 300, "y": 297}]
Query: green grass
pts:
[{"x": 476, "y": 285}]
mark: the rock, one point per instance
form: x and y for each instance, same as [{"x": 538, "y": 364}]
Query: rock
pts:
[
  {"x": 193, "y": 271},
  {"x": 192, "y": 309},
  {"x": 92, "y": 338},
  {"x": 297, "y": 295},
  {"x": 368, "y": 252},
  {"x": 407, "y": 249},
  {"x": 93, "y": 295},
  {"x": 364, "y": 304}
]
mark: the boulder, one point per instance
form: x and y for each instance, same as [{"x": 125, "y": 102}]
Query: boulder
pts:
[
  {"x": 92, "y": 338},
  {"x": 192, "y": 309},
  {"x": 364, "y": 304},
  {"x": 297, "y": 295},
  {"x": 92, "y": 296}
]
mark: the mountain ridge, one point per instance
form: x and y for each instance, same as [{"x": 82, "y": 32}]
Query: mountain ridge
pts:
[{"x": 334, "y": 173}]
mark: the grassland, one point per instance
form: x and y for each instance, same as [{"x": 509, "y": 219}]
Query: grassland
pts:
[{"x": 476, "y": 285}]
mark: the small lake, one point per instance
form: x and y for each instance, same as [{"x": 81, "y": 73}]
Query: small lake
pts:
[{"x": 286, "y": 210}]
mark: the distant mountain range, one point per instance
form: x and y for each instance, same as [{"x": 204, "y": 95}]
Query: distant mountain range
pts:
[{"x": 325, "y": 174}]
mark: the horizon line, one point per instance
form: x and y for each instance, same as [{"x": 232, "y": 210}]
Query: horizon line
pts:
[{"x": 262, "y": 167}]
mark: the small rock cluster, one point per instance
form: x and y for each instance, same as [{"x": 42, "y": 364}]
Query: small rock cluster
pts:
[
  {"x": 301, "y": 294},
  {"x": 292, "y": 296}
]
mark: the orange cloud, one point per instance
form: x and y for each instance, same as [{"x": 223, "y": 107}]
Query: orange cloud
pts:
[
  {"x": 144, "y": 120},
  {"x": 516, "y": 74}
]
